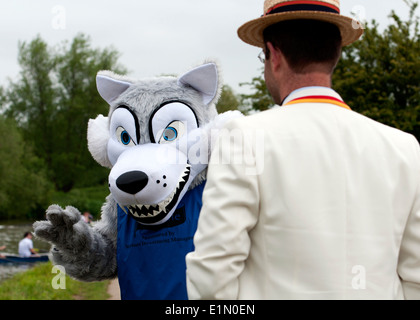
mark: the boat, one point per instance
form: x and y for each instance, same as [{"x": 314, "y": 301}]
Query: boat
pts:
[{"x": 9, "y": 258}]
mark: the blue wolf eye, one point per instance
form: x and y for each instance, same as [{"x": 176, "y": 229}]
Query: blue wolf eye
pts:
[
  {"x": 172, "y": 132},
  {"x": 124, "y": 137}
]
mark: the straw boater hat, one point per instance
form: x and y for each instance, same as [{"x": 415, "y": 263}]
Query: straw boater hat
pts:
[{"x": 282, "y": 10}]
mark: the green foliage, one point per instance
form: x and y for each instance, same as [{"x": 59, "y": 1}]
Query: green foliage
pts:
[
  {"x": 228, "y": 100},
  {"x": 48, "y": 108},
  {"x": 36, "y": 284},
  {"x": 88, "y": 199},
  {"x": 260, "y": 99},
  {"x": 53, "y": 101},
  {"x": 24, "y": 188},
  {"x": 380, "y": 75}
]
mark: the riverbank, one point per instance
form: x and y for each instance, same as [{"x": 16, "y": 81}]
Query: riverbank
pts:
[{"x": 42, "y": 282}]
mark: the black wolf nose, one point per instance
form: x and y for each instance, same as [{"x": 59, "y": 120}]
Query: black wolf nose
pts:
[{"x": 132, "y": 182}]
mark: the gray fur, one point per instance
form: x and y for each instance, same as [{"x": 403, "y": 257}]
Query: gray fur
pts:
[
  {"x": 89, "y": 253},
  {"x": 152, "y": 93}
]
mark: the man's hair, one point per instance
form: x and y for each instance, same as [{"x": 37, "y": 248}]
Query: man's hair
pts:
[
  {"x": 27, "y": 234},
  {"x": 305, "y": 42}
]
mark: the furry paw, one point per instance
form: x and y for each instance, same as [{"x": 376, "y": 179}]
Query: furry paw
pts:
[{"x": 63, "y": 228}]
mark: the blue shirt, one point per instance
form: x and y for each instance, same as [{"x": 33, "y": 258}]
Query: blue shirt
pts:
[{"x": 151, "y": 260}]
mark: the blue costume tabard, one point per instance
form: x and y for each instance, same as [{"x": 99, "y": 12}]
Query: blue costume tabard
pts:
[{"x": 151, "y": 260}]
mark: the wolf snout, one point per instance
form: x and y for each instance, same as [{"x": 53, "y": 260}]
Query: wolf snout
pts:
[{"x": 132, "y": 182}]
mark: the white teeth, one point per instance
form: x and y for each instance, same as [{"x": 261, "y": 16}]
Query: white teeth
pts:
[{"x": 151, "y": 211}]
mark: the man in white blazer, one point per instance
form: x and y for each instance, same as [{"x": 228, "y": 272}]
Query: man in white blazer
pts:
[{"x": 309, "y": 200}]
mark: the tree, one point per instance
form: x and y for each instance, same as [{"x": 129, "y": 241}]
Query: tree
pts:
[
  {"x": 54, "y": 99},
  {"x": 379, "y": 76},
  {"x": 260, "y": 99},
  {"x": 228, "y": 100},
  {"x": 24, "y": 188},
  {"x": 79, "y": 101},
  {"x": 31, "y": 100}
]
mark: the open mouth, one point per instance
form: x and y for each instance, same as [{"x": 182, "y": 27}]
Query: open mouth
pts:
[{"x": 148, "y": 214}]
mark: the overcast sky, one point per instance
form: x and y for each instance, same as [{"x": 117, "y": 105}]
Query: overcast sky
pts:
[{"x": 155, "y": 36}]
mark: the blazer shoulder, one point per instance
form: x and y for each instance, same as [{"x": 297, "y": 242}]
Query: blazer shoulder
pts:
[
  {"x": 255, "y": 120},
  {"x": 403, "y": 141}
]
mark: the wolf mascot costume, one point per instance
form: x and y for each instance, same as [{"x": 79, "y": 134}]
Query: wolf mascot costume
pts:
[{"x": 157, "y": 142}]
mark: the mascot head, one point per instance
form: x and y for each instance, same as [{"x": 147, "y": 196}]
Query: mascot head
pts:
[{"x": 155, "y": 138}]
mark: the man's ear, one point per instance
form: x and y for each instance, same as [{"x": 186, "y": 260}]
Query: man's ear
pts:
[
  {"x": 111, "y": 86},
  {"x": 206, "y": 79},
  {"x": 276, "y": 57}
]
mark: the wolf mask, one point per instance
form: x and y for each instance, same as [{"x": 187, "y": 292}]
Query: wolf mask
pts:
[
  {"x": 151, "y": 159},
  {"x": 157, "y": 140}
]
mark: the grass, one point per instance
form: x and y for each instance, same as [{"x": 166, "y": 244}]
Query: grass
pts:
[{"x": 37, "y": 284}]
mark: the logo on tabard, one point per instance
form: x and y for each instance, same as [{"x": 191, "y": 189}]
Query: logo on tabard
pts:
[{"x": 178, "y": 218}]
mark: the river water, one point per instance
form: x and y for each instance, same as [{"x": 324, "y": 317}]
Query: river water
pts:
[{"x": 10, "y": 235}]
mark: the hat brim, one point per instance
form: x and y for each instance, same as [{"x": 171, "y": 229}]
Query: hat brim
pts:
[{"x": 252, "y": 31}]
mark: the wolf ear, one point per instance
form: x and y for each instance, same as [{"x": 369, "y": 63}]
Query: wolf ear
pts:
[
  {"x": 205, "y": 79},
  {"x": 98, "y": 136},
  {"x": 111, "y": 86}
]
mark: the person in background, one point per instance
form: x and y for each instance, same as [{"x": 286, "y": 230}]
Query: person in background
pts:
[
  {"x": 26, "y": 247},
  {"x": 1, "y": 249},
  {"x": 87, "y": 217},
  {"x": 330, "y": 208}
]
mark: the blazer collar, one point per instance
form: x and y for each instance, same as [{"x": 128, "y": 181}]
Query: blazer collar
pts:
[{"x": 311, "y": 91}]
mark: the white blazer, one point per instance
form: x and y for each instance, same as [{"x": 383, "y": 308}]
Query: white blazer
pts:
[{"x": 325, "y": 204}]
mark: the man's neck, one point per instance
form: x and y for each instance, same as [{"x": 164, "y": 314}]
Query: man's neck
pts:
[{"x": 297, "y": 81}]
